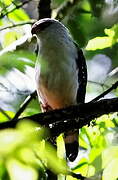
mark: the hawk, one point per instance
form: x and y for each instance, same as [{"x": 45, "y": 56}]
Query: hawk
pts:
[{"x": 61, "y": 73}]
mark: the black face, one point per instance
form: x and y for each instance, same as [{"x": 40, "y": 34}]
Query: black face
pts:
[{"x": 40, "y": 26}]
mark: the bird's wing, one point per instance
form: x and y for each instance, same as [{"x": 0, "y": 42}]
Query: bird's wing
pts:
[
  {"x": 82, "y": 75},
  {"x": 71, "y": 138}
]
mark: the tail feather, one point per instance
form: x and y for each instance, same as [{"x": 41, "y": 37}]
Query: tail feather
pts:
[
  {"x": 71, "y": 145},
  {"x": 72, "y": 150}
]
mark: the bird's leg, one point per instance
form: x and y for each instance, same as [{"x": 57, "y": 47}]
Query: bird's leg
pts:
[{"x": 45, "y": 108}]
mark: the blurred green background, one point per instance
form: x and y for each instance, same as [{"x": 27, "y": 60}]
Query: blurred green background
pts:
[{"x": 23, "y": 152}]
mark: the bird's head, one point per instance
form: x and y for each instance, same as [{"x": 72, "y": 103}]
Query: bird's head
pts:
[{"x": 46, "y": 27}]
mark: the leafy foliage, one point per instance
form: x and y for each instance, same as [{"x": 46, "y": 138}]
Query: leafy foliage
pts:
[
  {"x": 25, "y": 153},
  {"x": 106, "y": 41}
]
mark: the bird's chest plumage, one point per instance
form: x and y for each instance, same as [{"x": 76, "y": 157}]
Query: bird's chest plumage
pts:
[{"x": 56, "y": 76}]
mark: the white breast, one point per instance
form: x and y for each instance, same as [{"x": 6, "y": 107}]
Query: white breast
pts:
[{"x": 57, "y": 73}]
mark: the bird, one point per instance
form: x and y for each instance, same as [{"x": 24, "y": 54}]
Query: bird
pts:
[{"x": 60, "y": 73}]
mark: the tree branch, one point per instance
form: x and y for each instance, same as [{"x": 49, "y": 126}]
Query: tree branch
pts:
[
  {"x": 18, "y": 24},
  {"x": 17, "y": 6},
  {"x": 98, "y": 83},
  {"x": 70, "y": 118},
  {"x": 44, "y": 9},
  {"x": 24, "y": 105},
  {"x": 34, "y": 94},
  {"x": 77, "y": 176},
  {"x": 5, "y": 114},
  {"x": 114, "y": 86}
]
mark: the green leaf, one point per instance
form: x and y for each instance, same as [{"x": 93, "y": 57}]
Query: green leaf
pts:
[
  {"x": 3, "y": 171},
  {"x": 18, "y": 15},
  {"x": 69, "y": 178},
  {"x": 94, "y": 155},
  {"x": 99, "y": 43},
  {"x": 96, "y": 7},
  {"x": 7, "y": 2},
  {"x": 81, "y": 164},
  {"x": 25, "y": 135},
  {"x": 77, "y": 29},
  {"x": 32, "y": 108},
  {"x": 4, "y": 117},
  {"x": 85, "y": 137},
  {"x": 108, "y": 155},
  {"x": 9, "y": 140},
  {"x": 60, "y": 146},
  {"x": 105, "y": 121},
  {"x": 111, "y": 170},
  {"x": 20, "y": 171},
  {"x": 97, "y": 163},
  {"x": 82, "y": 167},
  {"x": 16, "y": 59},
  {"x": 10, "y": 37},
  {"x": 104, "y": 42},
  {"x": 94, "y": 137},
  {"x": 31, "y": 131},
  {"x": 27, "y": 156},
  {"x": 57, "y": 165},
  {"x": 49, "y": 155}
]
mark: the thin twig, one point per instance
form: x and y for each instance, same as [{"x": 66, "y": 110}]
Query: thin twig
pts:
[
  {"x": 13, "y": 9},
  {"x": 24, "y": 105},
  {"x": 5, "y": 114},
  {"x": 20, "y": 93},
  {"x": 98, "y": 83},
  {"x": 77, "y": 176},
  {"x": 114, "y": 86},
  {"x": 84, "y": 11},
  {"x": 18, "y": 24},
  {"x": 16, "y": 91}
]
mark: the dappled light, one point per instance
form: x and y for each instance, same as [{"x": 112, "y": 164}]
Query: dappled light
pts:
[{"x": 32, "y": 142}]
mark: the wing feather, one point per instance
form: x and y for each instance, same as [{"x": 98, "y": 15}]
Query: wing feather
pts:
[{"x": 82, "y": 75}]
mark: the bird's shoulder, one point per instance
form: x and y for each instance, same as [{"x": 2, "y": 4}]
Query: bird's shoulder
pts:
[{"x": 82, "y": 75}]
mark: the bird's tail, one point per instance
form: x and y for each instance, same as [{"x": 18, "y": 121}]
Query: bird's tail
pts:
[{"x": 71, "y": 145}]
